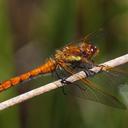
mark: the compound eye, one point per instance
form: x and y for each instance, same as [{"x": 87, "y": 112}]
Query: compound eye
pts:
[{"x": 92, "y": 49}]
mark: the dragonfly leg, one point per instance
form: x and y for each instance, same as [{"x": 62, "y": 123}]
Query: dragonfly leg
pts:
[
  {"x": 65, "y": 82},
  {"x": 74, "y": 84},
  {"x": 63, "y": 90},
  {"x": 57, "y": 74},
  {"x": 89, "y": 73},
  {"x": 63, "y": 79},
  {"x": 104, "y": 68}
]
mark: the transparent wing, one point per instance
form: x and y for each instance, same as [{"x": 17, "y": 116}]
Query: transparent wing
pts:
[
  {"x": 97, "y": 95},
  {"x": 35, "y": 82},
  {"x": 115, "y": 78},
  {"x": 28, "y": 57},
  {"x": 92, "y": 37},
  {"x": 91, "y": 91}
]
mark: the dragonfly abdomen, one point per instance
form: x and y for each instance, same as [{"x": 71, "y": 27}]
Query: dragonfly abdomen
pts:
[{"x": 48, "y": 67}]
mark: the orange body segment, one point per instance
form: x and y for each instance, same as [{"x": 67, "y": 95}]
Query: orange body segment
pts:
[
  {"x": 49, "y": 66},
  {"x": 25, "y": 76},
  {"x": 6, "y": 84},
  {"x": 35, "y": 72},
  {"x": 15, "y": 80}
]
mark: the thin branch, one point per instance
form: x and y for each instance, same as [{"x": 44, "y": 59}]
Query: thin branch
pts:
[{"x": 51, "y": 86}]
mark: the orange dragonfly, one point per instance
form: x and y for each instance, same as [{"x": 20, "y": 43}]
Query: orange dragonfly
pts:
[{"x": 71, "y": 58}]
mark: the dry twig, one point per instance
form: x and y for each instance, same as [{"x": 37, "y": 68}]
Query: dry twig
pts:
[{"x": 46, "y": 88}]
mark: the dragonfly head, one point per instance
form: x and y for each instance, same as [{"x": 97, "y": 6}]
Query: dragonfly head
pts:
[{"x": 88, "y": 50}]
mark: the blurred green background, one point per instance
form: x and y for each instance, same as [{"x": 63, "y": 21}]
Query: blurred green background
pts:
[{"x": 26, "y": 24}]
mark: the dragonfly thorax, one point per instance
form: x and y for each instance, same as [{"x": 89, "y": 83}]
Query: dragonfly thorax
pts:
[{"x": 82, "y": 52}]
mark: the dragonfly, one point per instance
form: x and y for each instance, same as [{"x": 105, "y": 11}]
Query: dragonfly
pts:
[{"x": 71, "y": 58}]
